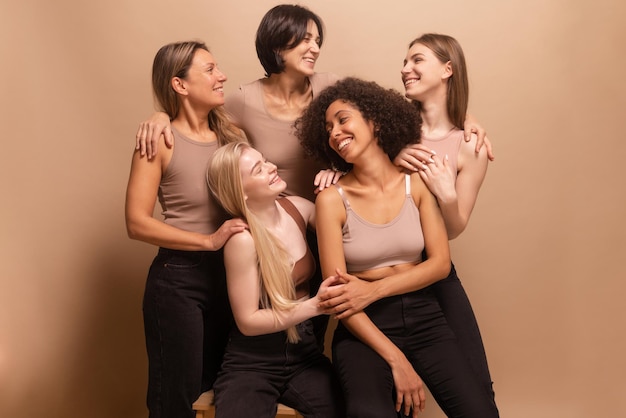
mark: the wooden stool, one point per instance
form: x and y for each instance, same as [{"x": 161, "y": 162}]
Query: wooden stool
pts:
[{"x": 205, "y": 409}]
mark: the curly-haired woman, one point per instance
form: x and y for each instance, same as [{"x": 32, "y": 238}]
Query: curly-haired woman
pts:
[{"x": 375, "y": 224}]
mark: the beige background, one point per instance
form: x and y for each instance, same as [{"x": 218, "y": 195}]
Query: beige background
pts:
[{"x": 541, "y": 259}]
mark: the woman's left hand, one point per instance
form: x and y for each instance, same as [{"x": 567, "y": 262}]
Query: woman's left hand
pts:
[
  {"x": 349, "y": 296},
  {"x": 440, "y": 178},
  {"x": 410, "y": 394}
]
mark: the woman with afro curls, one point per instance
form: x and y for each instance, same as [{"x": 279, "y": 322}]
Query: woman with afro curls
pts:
[{"x": 384, "y": 227}]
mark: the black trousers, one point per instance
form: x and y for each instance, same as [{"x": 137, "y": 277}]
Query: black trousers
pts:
[
  {"x": 259, "y": 372},
  {"x": 320, "y": 323},
  {"x": 417, "y": 325},
  {"x": 461, "y": 319},
  {"x": 186, "y": 319}
]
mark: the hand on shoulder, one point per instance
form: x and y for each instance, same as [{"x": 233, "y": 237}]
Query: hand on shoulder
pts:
[
  {"x": 467, "y": 151},
  {"x": 240, "y": 242}
]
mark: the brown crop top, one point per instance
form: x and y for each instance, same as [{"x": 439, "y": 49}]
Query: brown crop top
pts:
[
  {"x": 304, "y": 268},
  {"x": 367, "y": 246}
]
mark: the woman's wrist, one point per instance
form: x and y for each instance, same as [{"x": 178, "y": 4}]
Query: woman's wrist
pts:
[
  {"x": 394, "y": 357},
  {"x": 447, "y": 198},
  {"x": 312, "y": 306},
  {"x": 377, "y": 291}
]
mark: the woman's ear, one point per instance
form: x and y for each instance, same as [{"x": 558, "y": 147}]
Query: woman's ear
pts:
[
  {"x": 376, "y": 130},
  {"x": 447, "y": 70},
  {"x": 179, "y": 86}
]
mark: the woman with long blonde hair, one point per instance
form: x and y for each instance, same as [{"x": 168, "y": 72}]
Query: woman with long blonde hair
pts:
[{"x": 272, "y": 355}]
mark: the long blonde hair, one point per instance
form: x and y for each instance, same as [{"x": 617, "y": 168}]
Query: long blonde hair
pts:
[
  {"x": 274, "y": 264},
  {"x": 173, "y": 60}
]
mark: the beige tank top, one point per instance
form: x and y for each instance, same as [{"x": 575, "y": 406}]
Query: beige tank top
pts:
[
  {"x": 367, "y": 246},
  {"x": 184, "y": 193},
  {"x": 276, "y": 139}
]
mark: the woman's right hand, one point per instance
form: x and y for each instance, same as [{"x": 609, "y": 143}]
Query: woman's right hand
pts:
[
  {"x": 414, "y": 157},
  {"x": 325, "y": 178},
  {"x": 410, "y": 394},
  {"x": 224, "y": 232},
  {"x": 149, "y": 132},
  {"x": 346, "y": 295}
]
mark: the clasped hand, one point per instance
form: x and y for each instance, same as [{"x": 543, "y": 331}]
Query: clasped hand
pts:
[{"x": 344, "y": 294}]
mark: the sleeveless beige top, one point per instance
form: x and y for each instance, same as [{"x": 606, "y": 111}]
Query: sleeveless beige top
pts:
[
  {"x": 184, "y": 193},
  {"x": 274, "y": 138}
]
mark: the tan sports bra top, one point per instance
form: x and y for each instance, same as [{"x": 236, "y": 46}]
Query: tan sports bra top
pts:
[{"x": 368, "y": 246}]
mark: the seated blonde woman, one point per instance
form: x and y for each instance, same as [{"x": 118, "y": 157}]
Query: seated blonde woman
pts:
[{"x": 272, "y": 355}]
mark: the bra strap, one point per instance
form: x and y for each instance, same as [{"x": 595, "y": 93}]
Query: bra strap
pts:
[
  {"x": 407, "y": 184},
  {"x": 346, "y": 203}
]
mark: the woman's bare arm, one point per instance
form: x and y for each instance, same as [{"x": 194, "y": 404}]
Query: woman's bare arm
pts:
[
  {"x": 141, "y": 197},
  {"x": 240, "y": 260}
]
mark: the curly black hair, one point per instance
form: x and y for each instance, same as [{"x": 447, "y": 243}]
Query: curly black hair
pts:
[{"x": 397, "y": 121}]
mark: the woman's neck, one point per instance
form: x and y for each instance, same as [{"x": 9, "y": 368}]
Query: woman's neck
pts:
[
  {"x": 286, "y": 96},
  {"x": 374, "y": 169},
  {"x": 194, "y": 124},
  {"x": 267, "y": 212},
  {"x": 435, "y": 118},
  {"x": 287, "y": 87},
  {"x": 287, "y": 82}
]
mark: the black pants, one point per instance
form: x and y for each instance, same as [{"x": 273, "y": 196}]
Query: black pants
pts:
[
  {"x": 416, "y": 324},
  {"x": 259, "y": 372},
  {"x": 460, "y": 317},
  {"x": 186, "y": 318},
  {"x": 320, "y": 323}
]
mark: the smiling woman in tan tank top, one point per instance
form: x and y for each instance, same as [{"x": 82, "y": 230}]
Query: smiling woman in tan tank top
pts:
[
  {"x": 382, "y": 351},
  {"x": 435, "y": 79},
  {"x": 186, "y": 318}
]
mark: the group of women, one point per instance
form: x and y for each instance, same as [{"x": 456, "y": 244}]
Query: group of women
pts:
[{"x": 234, "y": 298}]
